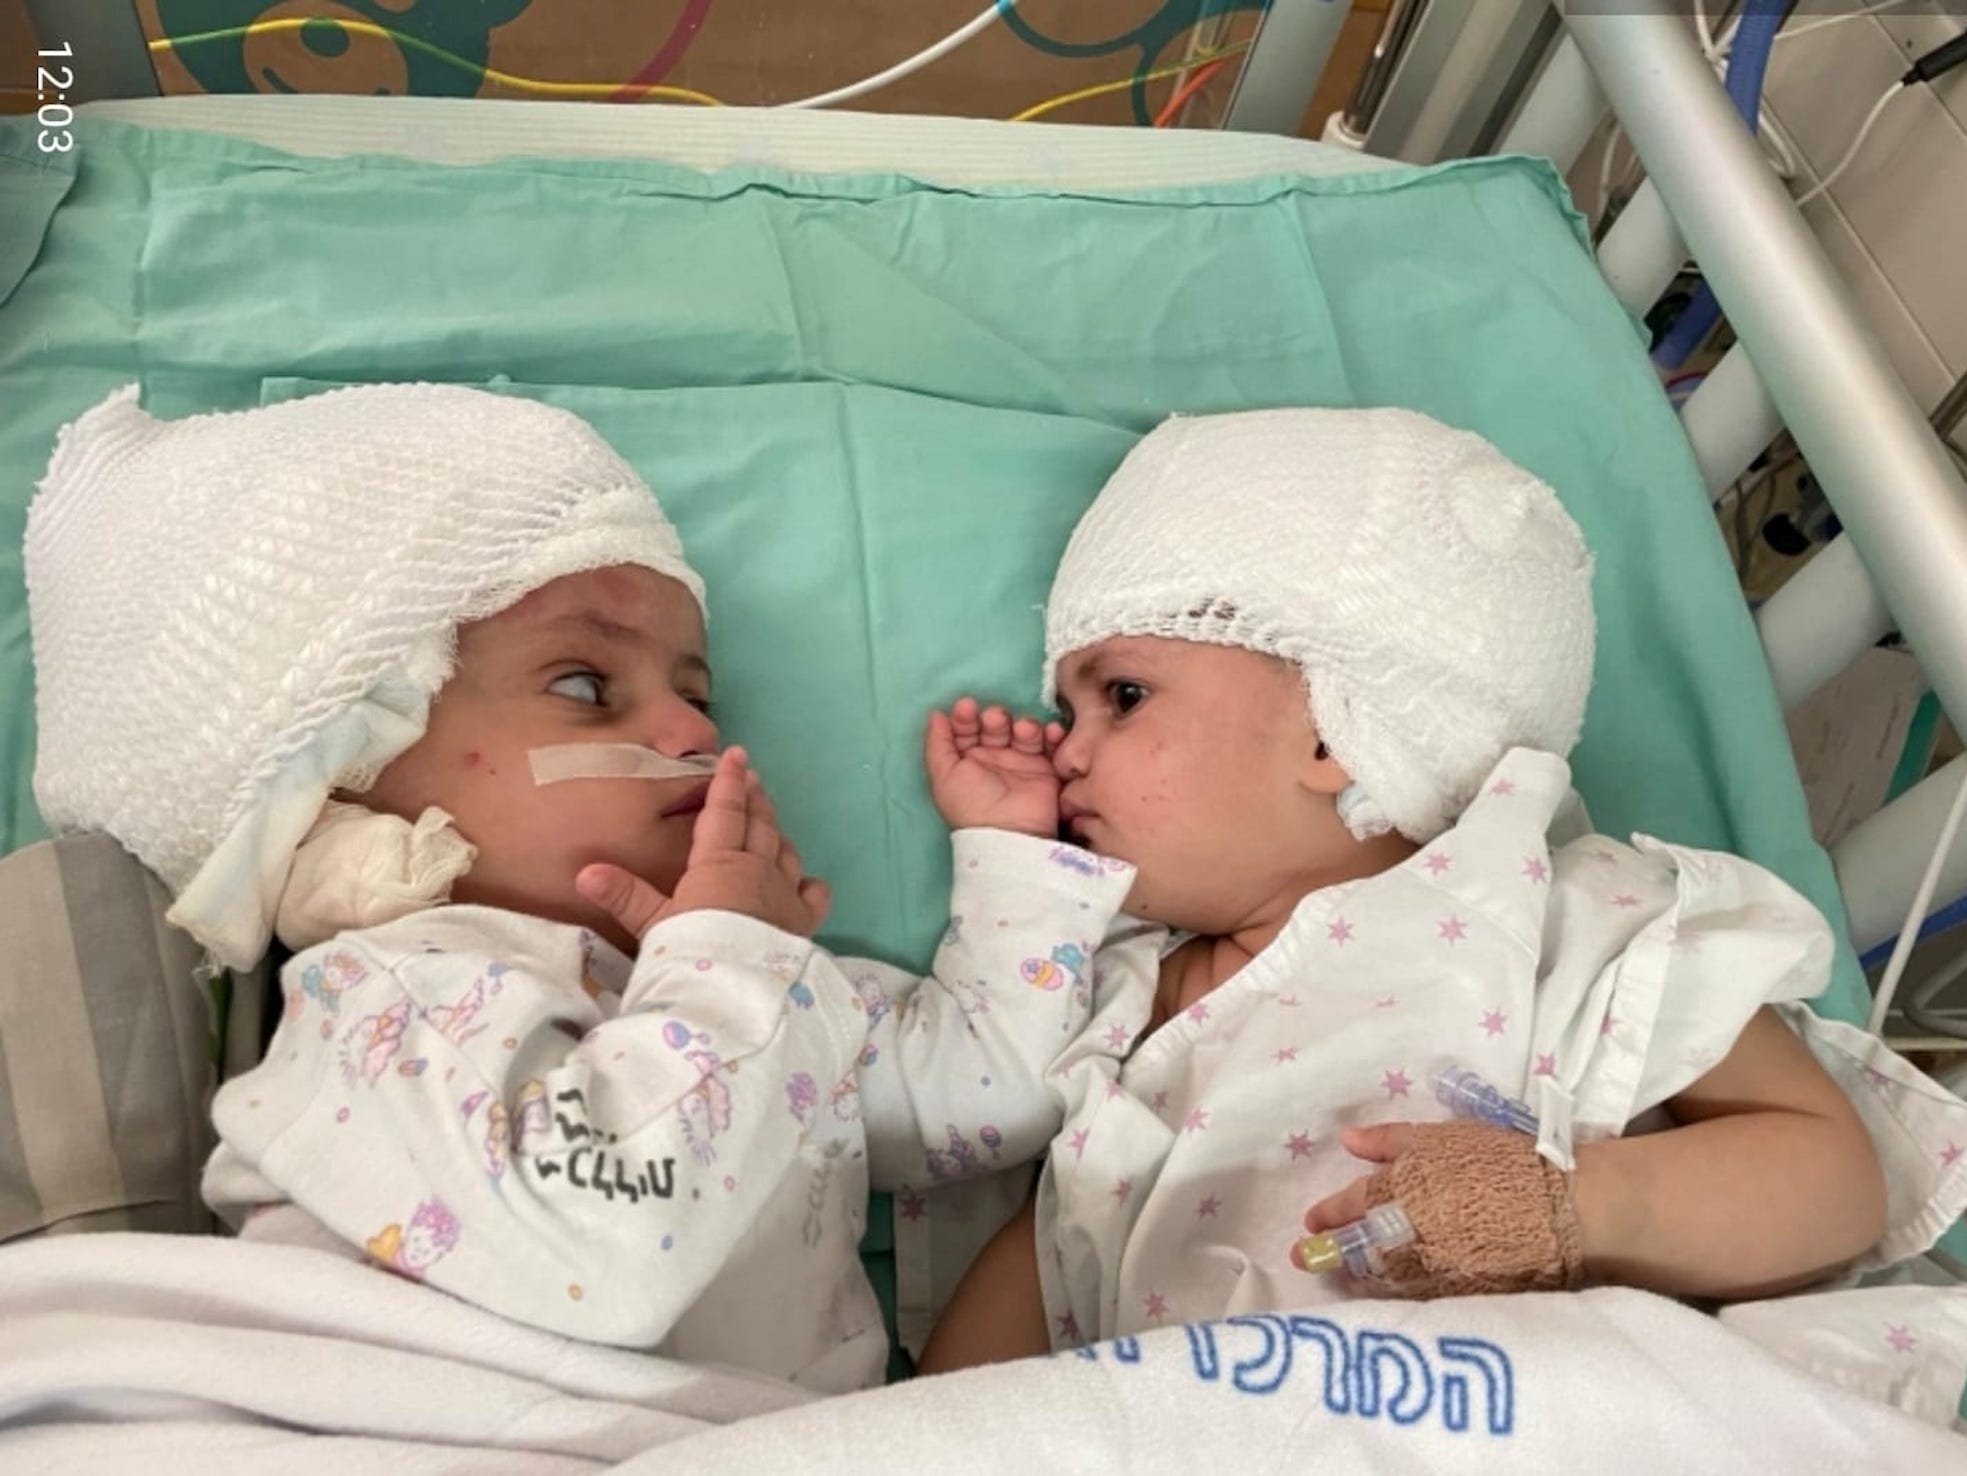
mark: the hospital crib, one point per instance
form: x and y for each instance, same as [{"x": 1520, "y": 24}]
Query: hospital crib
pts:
[{"x": 1805, "y": 362}]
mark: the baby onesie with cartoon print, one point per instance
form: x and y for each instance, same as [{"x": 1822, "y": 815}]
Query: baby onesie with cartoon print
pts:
[
  {"x": 1592, "y": 979},
  {"x": 672, "y": 1153}
]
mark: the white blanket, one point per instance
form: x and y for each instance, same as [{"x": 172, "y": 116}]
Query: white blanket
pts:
[{"x": 128, "y": 1352}]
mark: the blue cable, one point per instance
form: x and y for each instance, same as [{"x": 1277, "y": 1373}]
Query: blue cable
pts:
[{"x": 1748, "y": 64}]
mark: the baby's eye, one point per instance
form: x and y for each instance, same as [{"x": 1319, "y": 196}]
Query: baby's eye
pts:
[
  {"x": 1125, "y": 696},
  {"x": 702, "y": 705},
  {"x": 580, "y": 686}
]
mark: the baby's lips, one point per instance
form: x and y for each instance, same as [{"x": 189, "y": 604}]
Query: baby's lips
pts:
[{"x": 690, "y": 802}]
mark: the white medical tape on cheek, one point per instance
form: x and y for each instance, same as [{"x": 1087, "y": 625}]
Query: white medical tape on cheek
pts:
[{"x": 613, "y": 761}]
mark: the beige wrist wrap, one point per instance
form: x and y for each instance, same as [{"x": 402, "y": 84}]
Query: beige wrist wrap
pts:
[{"x": 1489, "y": 1215}]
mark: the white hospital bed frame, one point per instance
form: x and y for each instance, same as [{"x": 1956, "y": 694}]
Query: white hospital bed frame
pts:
[{"x": 1805, "y": 360}]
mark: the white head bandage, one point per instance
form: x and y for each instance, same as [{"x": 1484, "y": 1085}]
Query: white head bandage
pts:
[
  {"x": 1436, "y": 595},
  {"x": 235, "y": 614},
  {"x": 614, "y": 761}
]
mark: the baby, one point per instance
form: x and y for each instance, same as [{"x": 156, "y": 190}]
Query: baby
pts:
[
  {"x": 1318, "y": 670},
  {"x": 418, "y": 675}
]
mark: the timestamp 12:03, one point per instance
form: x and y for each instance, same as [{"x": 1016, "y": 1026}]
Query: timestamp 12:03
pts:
[{"x": 56, "y": 117}]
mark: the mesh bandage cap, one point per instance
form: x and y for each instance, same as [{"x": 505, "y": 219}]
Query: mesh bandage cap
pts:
[
  {"x": 1436, "y": 595},
  {"x": 235, "y": 613}
]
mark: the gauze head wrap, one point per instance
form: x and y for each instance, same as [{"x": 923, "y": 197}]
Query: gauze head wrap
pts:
[
  {"x": 1436, "y": 595},
  {"x": 235, "y": 614}
]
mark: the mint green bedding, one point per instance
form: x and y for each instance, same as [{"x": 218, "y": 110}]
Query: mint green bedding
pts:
[{"x": 875, "y": 408}]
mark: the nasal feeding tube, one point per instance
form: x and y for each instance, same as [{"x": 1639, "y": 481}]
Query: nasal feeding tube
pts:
[{"x": 565, "y": 761}]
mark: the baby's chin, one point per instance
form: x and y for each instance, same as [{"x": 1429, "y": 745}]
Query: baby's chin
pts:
[{"x": 1152, "y": 900}]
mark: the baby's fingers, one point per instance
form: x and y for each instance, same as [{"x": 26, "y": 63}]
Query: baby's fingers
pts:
[
  {"x": 1028, "y": 737},
  {"x": 790, "y": 862},
  {"x": 817, "y": 898},
  {"x": 721, "y": 825},
  {"x": 965, "y": 724},
  {"x": 996, "y": 728},
  {"x": 1342, "y": 1208},
  {"x": 627, "y": 898},
  {"x": 761, "y": 832},
  {"x": 1381, "y": 1143},
  {"x": 939, "y": 755}
]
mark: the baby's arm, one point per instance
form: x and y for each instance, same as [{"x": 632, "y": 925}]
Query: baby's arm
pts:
[
  {"x": 465, "y": 1114},
  {"x": 997, "y": 1314},
  {"x": 1767, "y": 1181},
  {"x": 478, "y": 1126},
  {"x": 953, "y": 1079}
]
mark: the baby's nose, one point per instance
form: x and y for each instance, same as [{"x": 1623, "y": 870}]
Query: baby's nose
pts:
[
  {"x": 683, "y": 730},
  {"x": 1069, "y": 758}
]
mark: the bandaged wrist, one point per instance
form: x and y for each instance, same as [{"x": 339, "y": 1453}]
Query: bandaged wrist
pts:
[{"x": 1489, "y": 1214}]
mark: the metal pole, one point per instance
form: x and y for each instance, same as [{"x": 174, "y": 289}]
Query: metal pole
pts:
[
  {"x": 1469, "y": 85},
  {"x": 1880, "y": 859},
  {"x": 1642, "y": 252},
  {"x": 1424, "y": 52},
  {"x": 1730, "y": 420},
  {"x": 1897, "y": 491},
  {"x": 1826, "y": 615},
  {"x": 1368, "y": 92},
  {"x": 1294, "y": 41},
  {"x": 1560, "y": 111}
]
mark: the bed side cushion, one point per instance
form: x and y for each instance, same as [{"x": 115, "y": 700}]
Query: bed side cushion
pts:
[{"x": 106, "y": 1047}]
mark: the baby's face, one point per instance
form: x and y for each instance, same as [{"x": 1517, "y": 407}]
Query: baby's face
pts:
[
  {"x": 609, "y": 656},
  {"x": 1198, "y": 764}
]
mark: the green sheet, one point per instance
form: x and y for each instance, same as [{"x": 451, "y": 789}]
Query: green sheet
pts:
[{"x": 875, "y": 408}]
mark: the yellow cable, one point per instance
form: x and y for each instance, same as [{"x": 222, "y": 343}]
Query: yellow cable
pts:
[
  {"x": 1053, "y": 104},
  {"x": 370, "y": 28}
]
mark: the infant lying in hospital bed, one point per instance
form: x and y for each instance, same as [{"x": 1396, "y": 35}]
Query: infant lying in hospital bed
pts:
[
  {"x": 1330, "y": 904},
  {"x": 643, "y": 1113},
  {"x": 612, "y": 1089}
]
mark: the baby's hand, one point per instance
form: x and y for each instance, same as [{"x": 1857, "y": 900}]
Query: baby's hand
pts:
[
  {"x": 988, "y": 769},
  {"x": 1488, "y": 1213},
  {"x": 738, "y": 863}
]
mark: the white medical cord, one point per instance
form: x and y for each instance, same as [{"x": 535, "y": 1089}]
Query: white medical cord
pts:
[
  {"x": 901, "y": 69},
  {"x": 1775, "y": 142},
  {"x": 1864, "y": 132},
  {"x": 1888, "y": 982},
  {"x": 1789, "y": 33}
]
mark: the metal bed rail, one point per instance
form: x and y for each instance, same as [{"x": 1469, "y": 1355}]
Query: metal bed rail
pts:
[{"x": 1804, "y": 359}]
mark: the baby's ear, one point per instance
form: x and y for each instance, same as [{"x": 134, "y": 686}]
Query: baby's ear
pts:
[{"x": 1319, "y": 771}]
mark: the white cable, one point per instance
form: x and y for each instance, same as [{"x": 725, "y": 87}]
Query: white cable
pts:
[
  {"x": 1721, "y": 47},
  {"x": 1790, "y": 33},
  {"x": 900, "y": 69},
  {"x": 1864, "y": 132},
  {"x": 1774, "y": 144},
  {"x": 1888, "y": 982}
]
